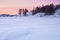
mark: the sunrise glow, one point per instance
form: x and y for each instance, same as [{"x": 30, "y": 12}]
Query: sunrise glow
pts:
[{"x": 12, "y": 6}]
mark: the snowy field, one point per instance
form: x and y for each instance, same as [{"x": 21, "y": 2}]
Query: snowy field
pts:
[{"x": 30, "y": 28}]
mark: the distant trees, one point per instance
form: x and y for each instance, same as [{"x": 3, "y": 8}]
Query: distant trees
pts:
[
  {"x": 49, "y": 9},
  {"x": 20, "y": 11},
  {"x": 33, "y": 11},
  {"x": 7, "y": 15},
  {"x": 41, "y": 10},
  {"x": 57, "y": 7},
  {"x": 23, "y": 11},
  {"x": 46, "y": 9}
]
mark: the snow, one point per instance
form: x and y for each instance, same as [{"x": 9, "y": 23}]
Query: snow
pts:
[
  {"x": 30, "y": 28},
  {"x": 39, "y": 14},
  {"x": 57, "y": 13},
  {"x": 29, "y": 13}
]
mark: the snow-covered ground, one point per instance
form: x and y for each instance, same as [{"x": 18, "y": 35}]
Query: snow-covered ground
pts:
[{"x": 30, "y": 28}]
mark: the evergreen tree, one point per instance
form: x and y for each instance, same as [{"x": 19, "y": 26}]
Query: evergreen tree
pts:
[{"x": 49, "y": 9}]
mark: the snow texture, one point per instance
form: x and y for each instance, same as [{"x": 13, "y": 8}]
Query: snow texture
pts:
[{"x": 30, "y": 28}]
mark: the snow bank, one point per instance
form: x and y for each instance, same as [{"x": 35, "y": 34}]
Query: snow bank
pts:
[
  {"x": 29, "y": 13},
  {"x": 57, "y": 13},
  {"x": 39, "y": 14}
]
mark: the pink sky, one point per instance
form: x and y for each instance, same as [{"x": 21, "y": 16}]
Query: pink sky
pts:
[{"x": 12, "y": 6}]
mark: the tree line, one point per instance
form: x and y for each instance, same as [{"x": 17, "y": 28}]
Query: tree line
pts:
[{"x": 46, "y": 9}]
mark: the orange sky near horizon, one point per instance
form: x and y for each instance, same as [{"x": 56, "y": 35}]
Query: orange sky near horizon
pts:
[
  {"x": 8, "y": 11},
  {"x": 12, "y": 6},
  {"x": 12, "y": 11}
]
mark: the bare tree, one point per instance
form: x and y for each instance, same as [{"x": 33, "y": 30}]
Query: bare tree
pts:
[{"x": 20, "y": 11}]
